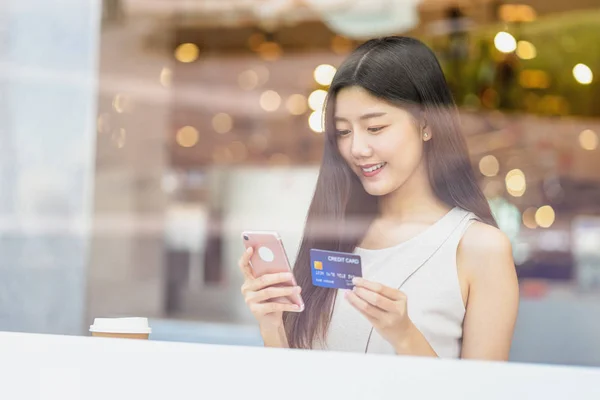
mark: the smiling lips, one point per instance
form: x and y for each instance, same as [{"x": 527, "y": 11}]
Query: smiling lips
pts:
[{"x": 370, "y": 170}]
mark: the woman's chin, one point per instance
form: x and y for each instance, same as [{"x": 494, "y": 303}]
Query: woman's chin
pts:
[{"x": 376, "y": 189}]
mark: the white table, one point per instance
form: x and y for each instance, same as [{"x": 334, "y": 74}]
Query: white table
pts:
[{"x": 66, "y": 368}]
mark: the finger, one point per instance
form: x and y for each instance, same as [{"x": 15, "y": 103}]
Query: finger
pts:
[
  {"x": 269, "y": 280},
  {"x": 383, "y": 290},
  {"x": 274, "y": 292},
  {"x": 367, "y": 309},
  {"x": 244, "y": 263},
  {"x": 375, "y": 299},
  {"x": 268, "y": 308}
]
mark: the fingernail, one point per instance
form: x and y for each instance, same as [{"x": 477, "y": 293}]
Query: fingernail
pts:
[
  {"x": 248, "y": 250},
  {"x": 354, "y": 289},
  {"x": 355, "y": 280}
]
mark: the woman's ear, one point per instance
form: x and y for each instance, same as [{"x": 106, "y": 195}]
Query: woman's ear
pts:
[{"x": 425, "y": 130}]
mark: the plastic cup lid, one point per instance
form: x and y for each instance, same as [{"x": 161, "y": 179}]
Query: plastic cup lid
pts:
[{"x": 121, "y": 325}]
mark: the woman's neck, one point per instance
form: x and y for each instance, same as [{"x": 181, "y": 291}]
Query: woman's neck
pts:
[{"x": 414, "y": 197}]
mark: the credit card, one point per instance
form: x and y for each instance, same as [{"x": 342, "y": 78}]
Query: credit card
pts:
[{"x": 334, "y": 269}]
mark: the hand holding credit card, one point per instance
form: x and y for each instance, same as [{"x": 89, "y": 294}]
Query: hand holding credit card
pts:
[{"x": 334, "y": 269}]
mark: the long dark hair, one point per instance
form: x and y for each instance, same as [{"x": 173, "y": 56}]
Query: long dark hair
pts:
[{"x": 399, "y": 70}]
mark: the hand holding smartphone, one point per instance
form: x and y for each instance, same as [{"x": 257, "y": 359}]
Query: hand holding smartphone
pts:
[{"x": 270, "y": 283}]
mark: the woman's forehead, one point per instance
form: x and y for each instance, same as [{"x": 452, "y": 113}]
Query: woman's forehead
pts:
[
  {"x": 354, "y": 102},
  {"x": 352, "y": 99}
]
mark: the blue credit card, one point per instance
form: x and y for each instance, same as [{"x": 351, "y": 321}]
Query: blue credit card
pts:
[{"x": 334, "y": 269}]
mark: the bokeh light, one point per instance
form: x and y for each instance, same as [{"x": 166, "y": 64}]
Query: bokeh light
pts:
[
  {"x": 545, "y": 216},
  {"x": 315, "y": 121},
  {"x": 187, "y": 52},
  {"x": 270, "y": 100},
  {"x": 263, "y": 74},
  {"x": 517, "y": 13},
  {"x": 341, "y": 45},
  {"x": 248, "y": 79},
  {"x": 529, "y": 218},
  {"x": 588, "y": 140},
  {"x": 526, "y": 50},
  {"x": 489, "y": 165},
  {"x": 534, "y": 79},
  {"x": 316, "y": 99},
  {"x": 296, "y": 104},
  {"x": 222, "y": 123},
  {"x": 166, "y": 77},
  {"x": 222, "y": 155},
  {"x": 583, "y": 74},
  {"x": 255, "y": 40},
  {"x": 324, "y": 74},
  {"x": 525, "y": 13},
  {"x": 270, "y": 51},
  {"x": 258, "y": 142},
  {"x": 516, "y": 183},
  {"x": 187, "y": 136},
  {"x": 505, "y": 42}
]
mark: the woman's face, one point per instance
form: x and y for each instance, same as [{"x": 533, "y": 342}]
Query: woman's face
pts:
[{"x": 381, "y": 143}]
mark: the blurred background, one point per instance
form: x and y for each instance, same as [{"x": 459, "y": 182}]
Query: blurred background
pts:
[{"x": 138, "y": 138}]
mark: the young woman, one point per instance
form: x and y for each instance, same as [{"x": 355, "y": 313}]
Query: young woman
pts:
[{"x": 396, "y": 187}]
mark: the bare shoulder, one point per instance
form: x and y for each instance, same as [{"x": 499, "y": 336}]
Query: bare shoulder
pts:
[
  {"x": 481, "y": 238},
  {"x": 485, "y": 248}
]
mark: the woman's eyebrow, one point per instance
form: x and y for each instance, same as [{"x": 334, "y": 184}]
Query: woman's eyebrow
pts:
[{"x": 362, "y": 117}]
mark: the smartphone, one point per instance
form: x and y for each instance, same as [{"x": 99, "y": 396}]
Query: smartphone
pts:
[{"x": 269, "y": 257}]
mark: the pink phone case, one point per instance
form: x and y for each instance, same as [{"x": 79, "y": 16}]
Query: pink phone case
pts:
[{"x": 270, "y": 258}]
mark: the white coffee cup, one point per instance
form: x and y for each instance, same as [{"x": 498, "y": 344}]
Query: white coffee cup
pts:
[{"x": 125, "y": 328}]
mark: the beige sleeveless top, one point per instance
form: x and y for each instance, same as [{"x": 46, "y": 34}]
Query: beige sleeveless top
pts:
[{"x": 424, "y": 268}]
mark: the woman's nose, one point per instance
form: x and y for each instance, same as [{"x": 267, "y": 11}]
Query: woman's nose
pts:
[{"x": 360, "y": 146}]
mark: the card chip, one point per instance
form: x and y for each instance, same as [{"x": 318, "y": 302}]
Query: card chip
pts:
[{"x": 318, "y": 265}]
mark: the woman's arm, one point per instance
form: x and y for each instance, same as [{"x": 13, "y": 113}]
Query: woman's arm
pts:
[
  {"x": 386, "y": 310},
  {"x": 274, "y": 336},
  {"x": 414, "y": 344},
  {"x": 484, "y": 257}
]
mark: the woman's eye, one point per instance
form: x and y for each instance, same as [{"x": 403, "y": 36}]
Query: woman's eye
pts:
[
  {"x": 376, "y": 129},
  {"x": 341, "y": 132}
]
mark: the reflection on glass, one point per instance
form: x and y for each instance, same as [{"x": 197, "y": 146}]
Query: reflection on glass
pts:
[
  {"x": 119, "y": 137},
  {"x": 166, "y": 77}
]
